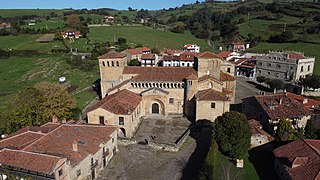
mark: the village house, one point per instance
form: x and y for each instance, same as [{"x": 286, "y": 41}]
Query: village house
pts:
[
  {"x": 236, "y": 47},
  {"x": 259, "y": 137},
  {"x": 298, "y": 160},
  {"x": 136, "y": 53},
  {"x": 201, "y": 92},
  {"x": 244, "y": 67},
  {"x": 184, "y": 59},
  {"x": 288, "y": 65},
  {"x": 58, "y": 151},
  {"x": 269, "y": 109},
  {"x": 71, "y": 34},
  {"x": 226, "y": 55},
  {"x": 109, "y": 19},
  {"x": 5, "y": 25},
  {"x": 149, "y": 60},
  {"x": 191, "y": 48},
  {"x": 170, "y": 52}
]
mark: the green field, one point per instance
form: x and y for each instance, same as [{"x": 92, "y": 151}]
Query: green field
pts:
[
  {"x": 19, "y": 73},
  {"x": 145, "y": 36},
  {"x": 20, "y": 12}
]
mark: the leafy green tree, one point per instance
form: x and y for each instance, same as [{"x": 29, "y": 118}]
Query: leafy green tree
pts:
[
  {"x": 275, "y": 84},
  {"x": 261, "y": 79},
  {"x": 312, "y": 81},
  {"x": 39, "y": 104},
  {"x": 285, "y": 131},
  {"x": 134, "y": 62},
  {"x": 312, "y": 129},
  {"x": 232, "y": 133},
  {"x": 74, "y": 20},
  {"x": 122, "y": 41},
  {"x": 207, "y": 170},
  {"x": 58, "y": 36}
]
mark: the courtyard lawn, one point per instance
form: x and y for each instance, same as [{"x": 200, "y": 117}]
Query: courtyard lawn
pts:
[
  {"x": 19, "y": 73},
  {"x": 145, "y": 35}
]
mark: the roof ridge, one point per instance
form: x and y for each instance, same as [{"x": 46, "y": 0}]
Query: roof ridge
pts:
[
  {"x": 312, "y": 147},
  {"x": 28, "y": 131},
  {"x": 31, "y": 152}
]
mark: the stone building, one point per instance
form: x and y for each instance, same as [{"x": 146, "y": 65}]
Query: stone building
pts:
[
  {"x": 200, "y": 92},
  {"x": 149, "y": 60},
  {"x": 288, "y": 65},
  {"x": 58, "y": 151},
  {"x": 136, "y": 53},
  {"x": 269, "y": 109},
  {"x": 259, "y": 137}
]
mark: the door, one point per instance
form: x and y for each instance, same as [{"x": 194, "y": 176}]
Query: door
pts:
[{"x": 155, "y": 108}]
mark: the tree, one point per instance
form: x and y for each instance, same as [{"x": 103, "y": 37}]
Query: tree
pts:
[
  {"x": 275, "y": 84},
  {"x": 312, "y": 129},
  {"x": 122, "y": 41},
  {"x": 58, "y": 36},
  {"x": 312, "y": 81},
  {"x": 261, "y": 79},
  {"x": 134, "y": 62},
  {"x": 232, "y": 133},
  {"x": 285, "y": 131},
  {"x": 39, "y": 104},
  {"x": 74, "y": 21}
]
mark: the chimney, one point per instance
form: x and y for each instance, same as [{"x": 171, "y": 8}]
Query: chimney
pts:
[
  {"x": 54, "y": 119},
  {"x": 64, "y": 120},
  {"x": 280, "y": 101},
  {"x": 305, "y": 101},
  {"x": 75, "y": 146}
]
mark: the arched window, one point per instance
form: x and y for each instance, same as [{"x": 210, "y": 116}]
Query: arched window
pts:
[
  {"x": 112, "y": 63},
  {"x": 155, "y": 108},
  {"x": 108, "y": 63},
  {"x": 103, "y": 64},
  {"x": 117, "y": 63}
]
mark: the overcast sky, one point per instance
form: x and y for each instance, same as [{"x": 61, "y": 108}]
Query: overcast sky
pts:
[{"x": 92, "y": 4}]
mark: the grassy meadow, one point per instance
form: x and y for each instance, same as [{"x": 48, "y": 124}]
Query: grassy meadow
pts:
[{"x": 145, "y": 36}]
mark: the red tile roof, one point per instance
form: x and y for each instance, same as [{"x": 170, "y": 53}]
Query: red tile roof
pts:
[
  {"x": 301, "y": 159},
  {"x": 143, "y": 49},
  {"x": 208, "y": 55},
  {"x": 279, "y": 106},
  {"x": 159, "y": 73},
  {"x": 256, "y": 128},
  {"x": 20, "y": 140},
  {"x": 139, "y": 50},
  {"x": 224, "y": 54},
  {"x": 59, "y": 142},
  {"x": 171, "y": 51},
  {"x": 295, "y": 55},
  {"x": 171, "y": 58},
  {"x": 30, "y": 161},
  {"x": 148, "y": 56},
  {"x": 208, "y": 77},
  {"x": 112, "y": 55},
  {"x": 307, "y": 102},
  {"x": 211, "y": 95},
  {"x": 226, "y": 77},
  {"x": 123, "y": 102},
  {"x": 187, "y": 56}
]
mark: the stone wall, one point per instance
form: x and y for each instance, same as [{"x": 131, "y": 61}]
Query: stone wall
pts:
[{"x": 205, "y": 112}]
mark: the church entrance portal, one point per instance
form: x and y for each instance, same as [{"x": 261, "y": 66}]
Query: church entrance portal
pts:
[{"x": 155, "y": 108}]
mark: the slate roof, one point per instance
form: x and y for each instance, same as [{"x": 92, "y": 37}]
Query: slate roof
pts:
[
  {"x": 301, "y": 159},
  {"x": 123, "y": 102}
]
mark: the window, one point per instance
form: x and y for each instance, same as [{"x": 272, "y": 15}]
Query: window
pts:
[
  {"x": 92, "y": 161},
  {"x": 269, "y": 64},
  {"x": 278, "y": 66},
  {"x": 112, "y": 63},
  {"x": 103, "y": 64},
  {"x": 213, "y": 105},
  {"x": 228, "y": 70},
  {"x": 291, "y": 67},
  {"x": 117, "y": 63},
  {"x": 259, "y": 71},
  {"x": 260, "y": 63},
  {"x": 269, "y": 72},
  {"x": 121, "y": 121},
  {"x": 112, "y": 140},
  {"x": 309, "y": 67},
  {"x": 60, "y": 172},
  {"x": 171, "y": 100},
  {"x": 302, "y": 69},
  {"x": 101, "y": 120},
  {"x": 78, "y": 172},
  {"x": 108, "y": 63}
]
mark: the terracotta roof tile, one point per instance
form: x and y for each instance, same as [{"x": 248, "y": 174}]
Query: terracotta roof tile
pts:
[
  {"x": 148, "y": 56},
  {"x": 123, "y": 102},
  {"x": 171, "y": 58},
  {"x": 171, "y": 74},
  {"x": 226, "y": 77},
  {"x": 256, "y": 128},
  {"x": 301, "y": 159},
  {"x": 59, "y": 142},
  {"x": 307, "y": 102},
  {"x": 112, "y": 55},
  {"x": 295, "y": 55},
  {"x": 30, "y": 161},
  {"x": 20, "y": 140},
  {"x": 224, "y": 54},
  {"x": 208, "y": 77},
  {"x": 211, "y": 95},
  {"x": 208, "y": 55},
  {"x": 139, "y": 50},
  {"x": 279, "y": 106}
]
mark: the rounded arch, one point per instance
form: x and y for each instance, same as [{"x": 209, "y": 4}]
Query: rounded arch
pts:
[{"x": 157, "y": 107}]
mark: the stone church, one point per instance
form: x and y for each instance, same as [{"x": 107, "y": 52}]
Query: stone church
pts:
[{"x": 202, "y": 92}]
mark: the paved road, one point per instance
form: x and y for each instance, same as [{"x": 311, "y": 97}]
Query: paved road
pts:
[{"x": 245, "y": 88}]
